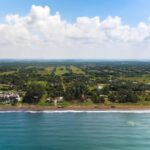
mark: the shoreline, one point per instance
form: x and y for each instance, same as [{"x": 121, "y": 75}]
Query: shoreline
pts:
[{"x": 73, "y": 108}]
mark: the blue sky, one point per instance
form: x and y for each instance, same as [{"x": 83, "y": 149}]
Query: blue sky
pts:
[
  {"x": 89, "y": 29},
  {"x": 131, "y": 11}
]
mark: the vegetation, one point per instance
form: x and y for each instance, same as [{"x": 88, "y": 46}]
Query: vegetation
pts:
[
  {"x": 77, "y": 82},
  {"x": 35, "y": 92}
]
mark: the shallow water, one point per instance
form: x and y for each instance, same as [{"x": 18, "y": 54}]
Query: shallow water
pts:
[{"x": 75, "y": 130}]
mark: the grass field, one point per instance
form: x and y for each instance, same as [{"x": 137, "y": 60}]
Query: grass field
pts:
[
  {"x": 76, "y": 70},
  {"x": 46, "y": 71},
  {"x": 61, "y": 70},
  {"x": 7, "y": 73},
  {"x": 142, "y": 79}
]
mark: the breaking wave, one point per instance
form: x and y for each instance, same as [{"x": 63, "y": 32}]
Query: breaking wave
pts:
[{"x": 79, "y": 111}]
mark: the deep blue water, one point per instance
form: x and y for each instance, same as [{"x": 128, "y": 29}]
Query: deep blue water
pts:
[{"x": 74, "y": 131}]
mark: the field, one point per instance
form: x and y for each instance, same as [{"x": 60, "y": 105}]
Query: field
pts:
[
  {"x": 76, "y": 70},
  {"x": 143, "y": 79},
  {"x": 61, "y": 70},
  {"x": 46, "y": 71},
  {"x": 7, "y": 73}
]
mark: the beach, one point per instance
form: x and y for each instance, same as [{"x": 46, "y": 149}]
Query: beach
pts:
[{"x": 77, "y": 108}]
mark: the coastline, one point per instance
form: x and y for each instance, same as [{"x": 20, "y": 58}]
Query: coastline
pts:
[{"x": 73, "y": 108}]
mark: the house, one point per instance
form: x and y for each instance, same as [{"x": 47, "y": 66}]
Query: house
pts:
[
  {"x": 55, "y": 100},
  {"x": 9, "y": 97},
  {"x": 49, "y": 100},
  {"x": 59, "y": 99},
  {"x": 99, "y": 87}
]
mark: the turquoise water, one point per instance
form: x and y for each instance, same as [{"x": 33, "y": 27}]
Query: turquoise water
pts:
[{"x": 74, "y": 131}]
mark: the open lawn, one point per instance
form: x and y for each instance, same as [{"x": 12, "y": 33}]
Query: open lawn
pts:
[
  {"x": 7, "y": 73},
  {"x": 76, "y": 70},
  {"x": 142, "y": 79},
  {"x": 46, "y": 71},
  {"x": 61, "y": 70}
]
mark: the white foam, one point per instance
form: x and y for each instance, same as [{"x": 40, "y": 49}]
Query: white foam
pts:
[
  {"x": 80, "y": 111},
  {"x": 90, "y": 111}
]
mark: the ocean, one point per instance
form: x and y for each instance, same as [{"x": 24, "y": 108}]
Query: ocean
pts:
[{"x": 75, "y": 130}]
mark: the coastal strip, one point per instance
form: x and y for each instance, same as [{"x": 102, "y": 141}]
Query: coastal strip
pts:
[{"x": 76, "y": 109}]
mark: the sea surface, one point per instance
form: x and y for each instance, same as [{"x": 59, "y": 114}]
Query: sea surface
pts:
[{"x": 75, "y": 130}]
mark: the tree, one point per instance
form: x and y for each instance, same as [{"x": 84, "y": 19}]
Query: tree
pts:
[{"x": 34, "y": 92}]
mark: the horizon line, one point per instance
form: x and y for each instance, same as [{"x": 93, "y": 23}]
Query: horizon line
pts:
[{"x": 69, "y": 59}]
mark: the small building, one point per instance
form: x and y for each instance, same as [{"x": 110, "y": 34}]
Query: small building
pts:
[
  {"x": 99, "y": 87},
  {"x": 55, "y": 100},
  {"x": 9, "y": 97},
  {"x": 59, "y": 99},
  {"x": 49, "y": 100}
]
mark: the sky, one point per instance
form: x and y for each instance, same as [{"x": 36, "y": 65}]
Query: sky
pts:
[{"x": 75, "y": 29}]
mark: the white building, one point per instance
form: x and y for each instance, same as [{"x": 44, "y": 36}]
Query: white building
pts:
[{"x": 9, "y": 97}]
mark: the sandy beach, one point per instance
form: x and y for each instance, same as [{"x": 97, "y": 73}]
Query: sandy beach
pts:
[{"x": 52, "y": 108}]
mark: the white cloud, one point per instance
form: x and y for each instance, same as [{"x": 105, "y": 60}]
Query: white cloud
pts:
[{"x": 43, "y": 35}]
